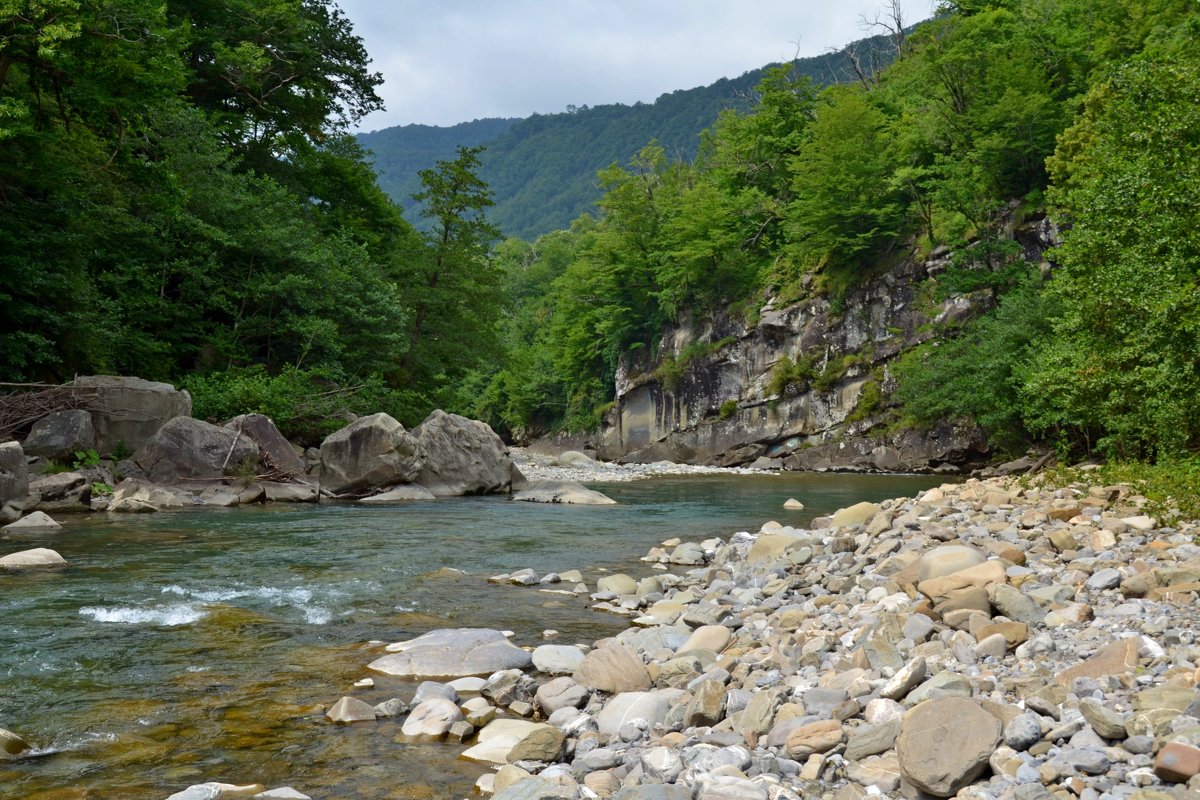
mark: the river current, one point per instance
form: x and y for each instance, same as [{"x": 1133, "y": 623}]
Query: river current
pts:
[{"x": 195, "y": 645}]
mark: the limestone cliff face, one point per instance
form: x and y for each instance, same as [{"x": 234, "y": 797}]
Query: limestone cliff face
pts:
[{"x": 710, "y": 394}]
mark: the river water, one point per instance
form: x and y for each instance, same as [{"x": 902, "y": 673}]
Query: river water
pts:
[{"x": 195, "y": 645}]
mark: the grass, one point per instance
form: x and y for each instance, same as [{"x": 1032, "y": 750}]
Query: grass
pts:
[{"x": 1172, "y": 487}]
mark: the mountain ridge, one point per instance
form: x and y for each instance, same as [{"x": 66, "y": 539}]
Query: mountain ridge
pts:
[{"x": 542, "y": 168}]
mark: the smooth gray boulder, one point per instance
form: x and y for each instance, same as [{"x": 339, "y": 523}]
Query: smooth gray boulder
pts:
[
  {"x": 14, "y": 475},
  {"x": 349, "y": 710},
  {"x": 566, "y": 492},
  {"x": 192, "y": 449},
  {"x": 452, "y": 653},
  {"x": 11, "y": 745},
  {"x": 275, "y": 453},
  {"x": 34, "y": 521},
  {"x": 431, "y": 719},
  {"x": 35, "y": 559},
  {"x": 59, "y": 435},
  {"x": 126, "y": 412},
  {"x": 628, "y": 706},
  {"x": 557, "y": 659},
  {"x": 461, "y": 456},
  {"x": 370, "y": 452}
]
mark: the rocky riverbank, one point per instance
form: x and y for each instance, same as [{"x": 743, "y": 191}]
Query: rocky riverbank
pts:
[
  {"x": 575, "y": 466},
  {"x": 983, "y": 640}
]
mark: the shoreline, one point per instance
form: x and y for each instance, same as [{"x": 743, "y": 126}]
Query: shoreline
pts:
[{"x": 1048, "y": 628}]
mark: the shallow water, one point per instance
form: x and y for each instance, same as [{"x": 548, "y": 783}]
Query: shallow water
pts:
[{"x": 194, "y": 645}]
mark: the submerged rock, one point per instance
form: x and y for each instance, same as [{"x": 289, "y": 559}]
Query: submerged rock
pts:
[{"x": 566, "y": 492}]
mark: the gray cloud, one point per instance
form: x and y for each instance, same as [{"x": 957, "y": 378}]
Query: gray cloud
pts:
[{"x": 449, "y": 61}]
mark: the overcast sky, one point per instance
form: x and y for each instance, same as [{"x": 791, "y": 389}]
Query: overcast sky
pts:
[{"x": 450, "y": 61}]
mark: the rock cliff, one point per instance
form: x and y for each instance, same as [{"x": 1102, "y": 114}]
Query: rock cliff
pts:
[{"x": 804, "y": 385}]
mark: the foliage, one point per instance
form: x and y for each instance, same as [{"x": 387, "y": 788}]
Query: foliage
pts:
[
  {"x": 1171, "y": 485},
  {"x": 728, "y": 409},
  {"x": 981, "y": 372},
  {"x": 1120, "y": 371},
  {"x": 870, "y": 401},
  {"x": 787, "y": 373}
]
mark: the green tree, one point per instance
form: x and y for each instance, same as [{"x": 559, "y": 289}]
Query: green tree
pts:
[
  {"x": 453, "y": 293},
  {"x": 1120, "y": 371}
]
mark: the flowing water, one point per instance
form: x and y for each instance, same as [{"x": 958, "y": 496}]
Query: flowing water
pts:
[{"x": 191, "y": 646}]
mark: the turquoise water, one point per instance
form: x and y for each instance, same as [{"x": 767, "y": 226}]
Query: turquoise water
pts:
[{"x": 191, "y": 646}]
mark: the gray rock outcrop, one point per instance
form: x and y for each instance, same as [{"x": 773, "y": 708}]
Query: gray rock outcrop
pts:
[
  {"x": 128, "y": 411},
  {"x": 276, "y": 453},
  {"x": 14, "y": 475},
  {"x": 59, "y": 435},
  {"x": 62, "y": 491},
  {"x": 461, "y": 456},
  {"x": 191, "y": 449},
  {"x": 370, "y": 452}
]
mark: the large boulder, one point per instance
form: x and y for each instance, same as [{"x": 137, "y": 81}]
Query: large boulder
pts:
[
  {"x": 191, "y": 449},
  {"x": 126, "y": 412},
  {"x": 61, "y": 434},
  {"x": 275, "y": 452},
  {"x": 945, "y": 744},
  {"x": 14, "y": 475},
  {"x": 370, "y": 452},
  {"x": 461, "y": 456},
  {"x": 452, "y": 653},
  {"x": 62, "y": 491},
  {"x": 566, "y": 492}
]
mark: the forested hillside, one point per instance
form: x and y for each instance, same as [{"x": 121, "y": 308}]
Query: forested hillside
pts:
[
  {"x": 542, "y": 170},
  {"x": 180, "y": 199},
  {"x": 994, "y": 113}
]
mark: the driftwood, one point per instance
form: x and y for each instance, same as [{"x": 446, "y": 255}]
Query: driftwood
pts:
[{"x": 22, "y": 404}]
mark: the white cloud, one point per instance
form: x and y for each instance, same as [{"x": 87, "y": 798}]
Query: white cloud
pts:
[{"x": 449, "y": 61}]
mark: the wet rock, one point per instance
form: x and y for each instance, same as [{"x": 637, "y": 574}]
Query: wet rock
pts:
[
  {"x": 431, "y": 719},
  {"x": 350, "y": 709},
  {"x": 34, "y": 521},
  {"x": 564, "y": 492},
  {"x": 405, "y": 492},
  {"x": 453, "y": 652},
  {"x": 11, "y": 745},
  {"x": 39, "y": 558}
]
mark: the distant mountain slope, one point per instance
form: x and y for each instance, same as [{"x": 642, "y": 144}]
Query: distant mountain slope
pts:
[{"x": 542, "y": 169}]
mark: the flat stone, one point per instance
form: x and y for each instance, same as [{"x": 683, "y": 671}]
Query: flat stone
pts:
[
  {"x": 350, "y": 709},
  {"x": 1116, "y": 658},
  {"x": 497, "y": 739},
  {"x": 543, "y": 743},
  {"x": 943, "y": 685},
  {"x": 945, "y": 744},
  {"x": 870, "y": 740},
  {"x": 1177, "y": 698},
  {"x": 1104, "y": 721},
  {"x": 614, "y": 669},
  {"x": 1016, "y": 605},
  {"x": 452, "y": 653},
  {"x": 557, "y": 659},
  {"x": 905, "y": 680},
  {"x": 948, "y": 559},
  {"x": 403, "y": 493},
  {"x": 562, "y": 492},
  {"x": 815, "y": 737},
  {"x": 1102, "y": 579}
]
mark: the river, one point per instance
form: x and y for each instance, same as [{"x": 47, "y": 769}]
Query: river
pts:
[{"x": 194, "y": 645}]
